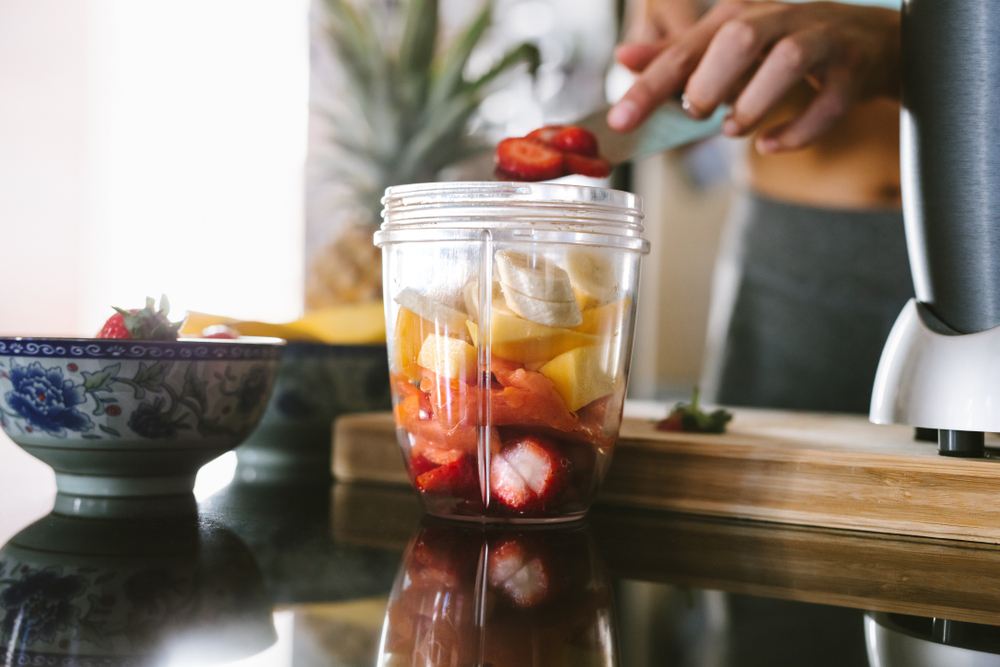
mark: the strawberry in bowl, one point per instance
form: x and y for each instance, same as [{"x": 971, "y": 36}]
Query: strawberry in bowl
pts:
[{"x": 136, "y": 411}]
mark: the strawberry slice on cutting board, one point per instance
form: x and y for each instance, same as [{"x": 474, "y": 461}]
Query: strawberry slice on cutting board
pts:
[{"x": 528, "y": 473}]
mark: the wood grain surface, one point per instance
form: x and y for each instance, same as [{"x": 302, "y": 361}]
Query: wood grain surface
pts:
[
  {"x": 870, "y": 571},
  {"x": 831, "y": 471}
]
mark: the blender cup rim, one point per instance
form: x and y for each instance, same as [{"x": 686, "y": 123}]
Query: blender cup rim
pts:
[
  {"x": 526, "y": 191},
  {"x": 512, "y": 211}
]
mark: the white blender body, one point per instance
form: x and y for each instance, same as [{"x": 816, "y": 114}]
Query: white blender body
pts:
[{"x": 931, "y": 377}]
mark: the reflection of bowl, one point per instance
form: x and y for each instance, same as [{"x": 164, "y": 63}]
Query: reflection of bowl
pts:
[
  {"x": 316, "y": 383},
  {"x": 287, "y": 526},
  {"x": 132, "y": 418},
  {"x": 128, "y": 592},
  {"x": 528, "y": 598}
]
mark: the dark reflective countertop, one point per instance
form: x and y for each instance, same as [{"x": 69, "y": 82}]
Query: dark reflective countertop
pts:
[{"x": 305, "y": 572}]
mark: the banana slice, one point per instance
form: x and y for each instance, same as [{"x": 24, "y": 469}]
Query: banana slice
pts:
[
  {"x": 470, "y": 294},
  {"x": 533, "y": 276},
  {"x": 593, "y": 275},
  {"x": 442, "y": 315},
  {"x": 563, "y": 314}
]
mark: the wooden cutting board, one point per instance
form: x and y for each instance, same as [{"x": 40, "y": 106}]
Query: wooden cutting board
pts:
[{"x": 801, "y": 468}]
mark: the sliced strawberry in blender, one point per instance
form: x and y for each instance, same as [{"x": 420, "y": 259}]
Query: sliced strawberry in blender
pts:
[
  {"x": 587, "y": 166},
  {"x": 426, "y": 455},
  {"x": 458, "y": 478},
  {"x": 528, "y": 159},
  {"x": 528, "y": 398},
  {"x": 528, "y": 473},
  {"x": 573, "y": 139},
  {"x": 521, "y": 576}
]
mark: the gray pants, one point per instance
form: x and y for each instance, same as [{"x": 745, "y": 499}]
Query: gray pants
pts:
[{"x": 804, "y": 299}]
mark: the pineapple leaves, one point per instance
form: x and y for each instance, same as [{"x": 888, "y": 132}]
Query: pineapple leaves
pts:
[
  {"x": 445, "y": 127},
  {"x": 356, "y": 44},
  {"x": 416, "y": 52},
  {"x": 525, "y": 52},
  {"x": 405, "y": 112},
  {"x": 454, "y": 60}
]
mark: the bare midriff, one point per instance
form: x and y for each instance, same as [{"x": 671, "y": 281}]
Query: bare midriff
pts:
[{"x": 854, "y": 165}]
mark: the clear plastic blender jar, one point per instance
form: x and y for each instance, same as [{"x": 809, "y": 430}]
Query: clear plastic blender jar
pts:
[{"x": 509, "y": 310}]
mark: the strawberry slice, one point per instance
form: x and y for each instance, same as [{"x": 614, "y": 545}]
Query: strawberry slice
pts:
[
  {"x": 426, "y": 456},
  {"x": 546, "y": 134},
  {"x": 528, "y": 159},
  {"x": 521, "y": 576},
  {"x": 435, "y": 454},
  {"x": 573, "y": 139},
  {"x": 587, "y": 166},
  {"x": 458, "y": 478},
  {"x": 528, "y": 473}
]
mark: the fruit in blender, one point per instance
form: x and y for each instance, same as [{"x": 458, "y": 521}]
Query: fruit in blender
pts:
[
  {"x": 528, "y": 473},
  {"x": 448, "y": 357},
  {"x": 551, "y": 401},
  {"x": 518, "y": 339},
  {"x": 581, "y": 376}
]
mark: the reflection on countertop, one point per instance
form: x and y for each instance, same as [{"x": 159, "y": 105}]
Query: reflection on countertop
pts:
[
  {"x": 281, "y": 572},
  {"x": 130, "y": 591}
]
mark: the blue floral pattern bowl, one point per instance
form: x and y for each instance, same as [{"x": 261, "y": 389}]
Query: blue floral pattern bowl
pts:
[{"x": 132, "y": 418}]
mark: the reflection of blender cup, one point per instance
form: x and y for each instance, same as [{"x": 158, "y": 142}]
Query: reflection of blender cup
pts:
[{"x": 473, "y": 596}]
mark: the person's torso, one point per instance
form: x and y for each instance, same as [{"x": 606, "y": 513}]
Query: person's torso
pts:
[{"x": 854, "y": 165}]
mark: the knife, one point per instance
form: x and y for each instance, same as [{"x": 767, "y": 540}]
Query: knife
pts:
[{"x": 667, "y": 127}]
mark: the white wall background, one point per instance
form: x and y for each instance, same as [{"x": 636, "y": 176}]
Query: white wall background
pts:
[{"x": 150, "y": 146}]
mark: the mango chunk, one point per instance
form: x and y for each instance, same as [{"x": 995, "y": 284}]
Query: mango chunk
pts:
[
  {"x": 517, "y": 339},
  {"x": 580, "y": 376},
  {"x": 408, "y": 337},
  {"x": 448, "y": 357},
  {"x": 606, "y": 319}
]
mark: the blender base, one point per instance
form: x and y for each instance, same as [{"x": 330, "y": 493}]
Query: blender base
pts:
[
  {"x": 965, "y": 444},
  {"x": 934, "y": 378}
]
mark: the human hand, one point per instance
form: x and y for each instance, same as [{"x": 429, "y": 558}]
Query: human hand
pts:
[{"x": 752, "y": 53}]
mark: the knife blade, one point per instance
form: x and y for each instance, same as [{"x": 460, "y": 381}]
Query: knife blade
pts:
[{"x": 667, "y": 127}]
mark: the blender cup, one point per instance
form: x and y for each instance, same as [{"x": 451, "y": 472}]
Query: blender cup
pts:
[{"x": 509, "y": 310}]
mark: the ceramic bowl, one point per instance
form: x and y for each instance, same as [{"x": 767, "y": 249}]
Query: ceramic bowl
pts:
[
  {"x": 132, "y": 418},
  {"x": 316, "y": 384},
  {"x": 119, "y": 593}
]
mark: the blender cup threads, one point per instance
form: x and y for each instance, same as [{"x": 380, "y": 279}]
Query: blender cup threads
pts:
[{"x": 510, "y": 311}]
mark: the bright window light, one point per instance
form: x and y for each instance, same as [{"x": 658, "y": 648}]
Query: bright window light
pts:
[{"x": 198, "y": 143}]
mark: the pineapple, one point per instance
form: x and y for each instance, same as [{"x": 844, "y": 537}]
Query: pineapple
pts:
[{"x": 404, "y": 119}]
